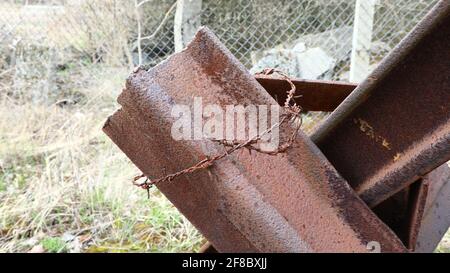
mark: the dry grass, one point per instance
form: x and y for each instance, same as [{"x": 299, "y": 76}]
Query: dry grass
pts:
[
  {"x": 64, "y": 186},
  {"x": 62, "y": 178},
  {"x": 444, "y": 247}
]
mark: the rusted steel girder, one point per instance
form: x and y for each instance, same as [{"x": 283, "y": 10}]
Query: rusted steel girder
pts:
[
  {"x": 295, "y": 202},
  {"x": 402, "y": 212},
  {"x": 324, "y": 96},
  {"x": 395, "y": 127}
]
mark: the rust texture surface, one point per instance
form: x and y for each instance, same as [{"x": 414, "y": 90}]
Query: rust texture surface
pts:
[
  {"x": 322, "y": 96},
  {"x": 395, "y": 127},
  {"x": 294, "y": 202},
  {"x": 403, "y": 212}
]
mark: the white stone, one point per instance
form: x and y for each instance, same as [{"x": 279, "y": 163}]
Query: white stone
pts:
[{"x": 314, "y": 62}]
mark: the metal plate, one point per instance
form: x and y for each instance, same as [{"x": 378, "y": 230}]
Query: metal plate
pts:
[{"x": 323, "y": 96}]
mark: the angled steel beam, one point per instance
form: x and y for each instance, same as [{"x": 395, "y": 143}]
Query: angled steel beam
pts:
[
  {"x": 395, "y": 127},
  {"x": 402, "y": 212}
]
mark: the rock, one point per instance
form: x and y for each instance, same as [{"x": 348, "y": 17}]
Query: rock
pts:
[
  {"x": 299, "y": 47},
  {"x": 337, "y": 42},
  {"x": 31, "y": 242},
  {"x": 75, "y": 246},
  {"x": 282, "y": 59},
  {"x": 37, "y": 249},
  {"x": 312, "y": 56},
  {"x": 314, "y": 62},
  {"x": 68, "y": 237},
  {"x": 298, "y": 62}
]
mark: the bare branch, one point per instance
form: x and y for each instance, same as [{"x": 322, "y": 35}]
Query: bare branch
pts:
[{"x": 163, "y": 22}]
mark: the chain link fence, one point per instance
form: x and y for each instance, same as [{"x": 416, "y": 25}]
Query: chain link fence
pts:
[
  {"x": 311, "y": 39},
  {"x": 284, "y": 33}
]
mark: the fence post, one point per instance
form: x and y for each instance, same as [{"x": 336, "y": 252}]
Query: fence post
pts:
[
  {"x": 187, "y": 21},
  {"x": 362, "y": 39}
]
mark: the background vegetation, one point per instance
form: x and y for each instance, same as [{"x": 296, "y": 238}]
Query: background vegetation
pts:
[{"x": 64, "y": 186}]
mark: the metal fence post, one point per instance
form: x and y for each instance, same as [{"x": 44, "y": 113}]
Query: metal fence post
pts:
[
  {"x": 187, "y": 21},
  {"x": 362, "y": 39}
]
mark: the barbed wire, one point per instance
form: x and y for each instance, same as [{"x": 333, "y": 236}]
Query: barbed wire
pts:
[{"x": 292, "y": 113}]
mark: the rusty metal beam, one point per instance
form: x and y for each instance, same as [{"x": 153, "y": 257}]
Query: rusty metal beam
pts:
[
  {"x": 324, "y": 96},
  {"x": 395, "y": 127},
  {"x": 402, "y": 212},
  {"x": 295, "y": 202}
]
